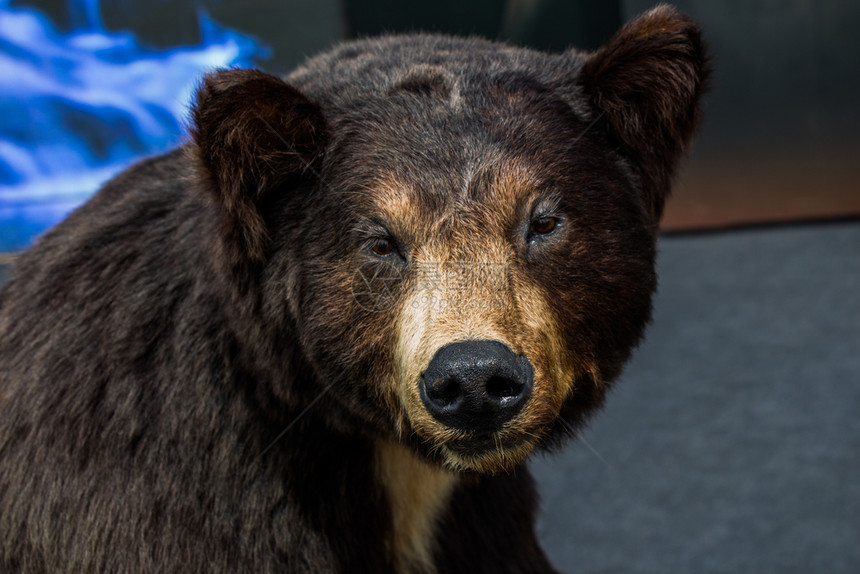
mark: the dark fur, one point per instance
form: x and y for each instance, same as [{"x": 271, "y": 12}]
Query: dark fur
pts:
[{"x": 185, "y": 385}]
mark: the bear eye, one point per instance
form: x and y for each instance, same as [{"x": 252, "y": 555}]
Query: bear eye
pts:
[
  {"x": 544, "y": 225},
  {"x": 382, "y": 246}
]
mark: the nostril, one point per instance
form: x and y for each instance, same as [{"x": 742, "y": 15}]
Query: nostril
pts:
[
  {"x": 444, "y": 392},
  {"x": 503, "y": 387}
]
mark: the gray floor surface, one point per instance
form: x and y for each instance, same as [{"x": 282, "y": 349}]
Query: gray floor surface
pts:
[{"x": 732, "y": 442}]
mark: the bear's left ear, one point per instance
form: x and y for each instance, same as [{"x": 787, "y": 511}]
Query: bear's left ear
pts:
[
  {"x": 647, "y": 82},
  {"x": 252, "y": 134}
]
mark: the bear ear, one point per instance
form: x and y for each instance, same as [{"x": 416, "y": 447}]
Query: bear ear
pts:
[
  {"x": 252, "y": 133},
  {"x": 647, "y": 83}
]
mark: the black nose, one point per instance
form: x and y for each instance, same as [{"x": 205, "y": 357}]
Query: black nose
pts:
[{"x": 476, "y": 385}]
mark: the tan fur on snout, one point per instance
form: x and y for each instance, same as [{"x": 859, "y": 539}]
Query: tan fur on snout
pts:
[{"x": 479, "y": 296}]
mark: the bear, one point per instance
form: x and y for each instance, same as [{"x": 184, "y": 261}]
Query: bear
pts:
[{"x": 326, "y": 333}]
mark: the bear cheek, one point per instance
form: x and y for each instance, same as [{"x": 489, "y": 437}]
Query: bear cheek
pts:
[
  {"x": 540, "y": 337},
  {"x": 346, "y": 339}
]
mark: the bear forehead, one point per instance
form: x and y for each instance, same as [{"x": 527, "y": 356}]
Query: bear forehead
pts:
[
  {"x": 447, "y": 66},
  {"x": 437, "y": 129},
  {"x": 430, "y": 136}
]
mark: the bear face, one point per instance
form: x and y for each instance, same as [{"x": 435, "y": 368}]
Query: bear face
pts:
[
  {"x": 482, "y": 237},
  {"x": 459, "y": 235}
]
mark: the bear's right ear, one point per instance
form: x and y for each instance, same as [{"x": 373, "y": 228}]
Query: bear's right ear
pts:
[
  {"x": 252, "y": 133},
  {"x": 647, "y": 82}
]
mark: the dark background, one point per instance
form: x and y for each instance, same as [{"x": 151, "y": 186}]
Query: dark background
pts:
[{"x": 732, "y": 442}]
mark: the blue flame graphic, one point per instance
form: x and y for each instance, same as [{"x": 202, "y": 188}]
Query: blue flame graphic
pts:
[{"x": 77, "y": 108}]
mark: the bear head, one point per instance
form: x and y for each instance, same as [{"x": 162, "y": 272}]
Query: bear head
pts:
[{"x": 456, "y": 237}]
